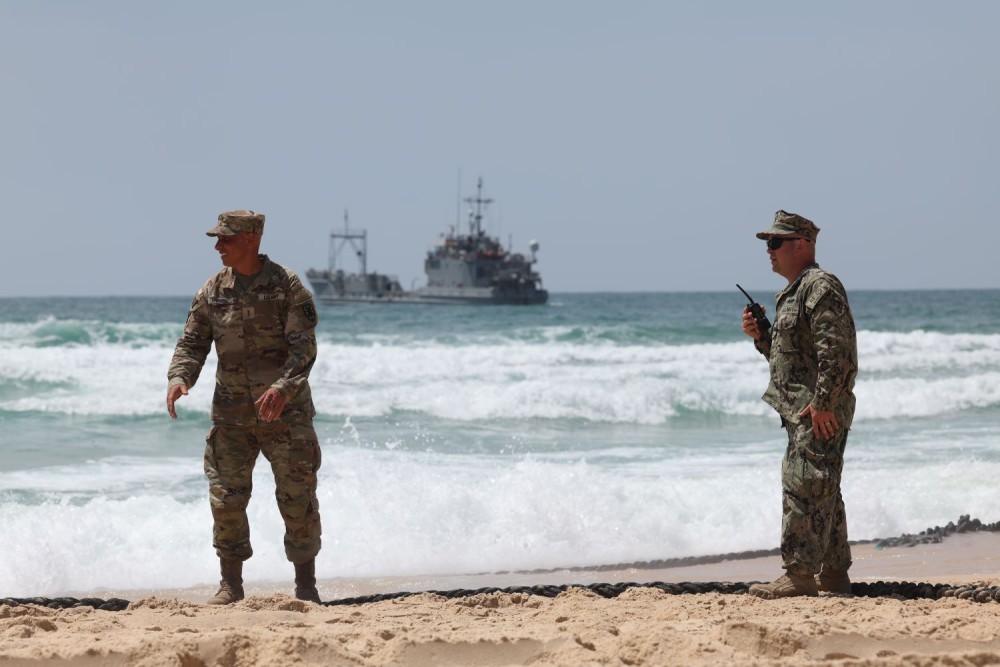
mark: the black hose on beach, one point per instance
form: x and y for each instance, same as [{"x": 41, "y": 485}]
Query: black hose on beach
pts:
[
  {"x": 900, "y": 590},
  {"x": 111, "y": 604}
]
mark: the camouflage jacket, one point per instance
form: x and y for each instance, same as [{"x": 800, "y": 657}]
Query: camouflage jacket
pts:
[
  {"x": 813, "y": 349},
  {"x": 264, "y": 337}
]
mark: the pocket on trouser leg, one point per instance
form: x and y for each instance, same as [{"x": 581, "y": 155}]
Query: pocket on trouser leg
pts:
[
  {"x": 295, "y": 462},
  {"x": 229, "y": 462},
  {"x": 812, "y": 466},
  {"x": 301, "y": 457}
]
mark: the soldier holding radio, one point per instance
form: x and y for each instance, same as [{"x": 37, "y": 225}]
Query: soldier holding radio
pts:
[{"x": 813, "y": 361}]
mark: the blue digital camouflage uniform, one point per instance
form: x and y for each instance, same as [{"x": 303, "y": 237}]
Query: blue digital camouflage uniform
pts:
[
  {"x": 264, "y": 337},
  {"x": 813, "y": 359}
]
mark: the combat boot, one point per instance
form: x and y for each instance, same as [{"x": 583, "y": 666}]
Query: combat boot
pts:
[
  {"x": 231, "y": 586},
  {"x": 305, "y": 582},
  {"x": 832, "y": 580},
  {"x": 786, "y": 586}
]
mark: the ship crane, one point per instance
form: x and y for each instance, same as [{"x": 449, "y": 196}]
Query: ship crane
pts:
[{"x": 357, "y": 239}]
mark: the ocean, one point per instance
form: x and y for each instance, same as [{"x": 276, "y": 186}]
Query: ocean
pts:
[{"x": 598, "y": 429}]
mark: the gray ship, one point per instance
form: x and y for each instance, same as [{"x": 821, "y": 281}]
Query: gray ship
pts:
[{"x": 471, "y": 268}]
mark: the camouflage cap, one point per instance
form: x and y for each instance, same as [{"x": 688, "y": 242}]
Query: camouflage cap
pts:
[
  {"x": 241, "y": 220},
  {"x": 790, "y": 223}
]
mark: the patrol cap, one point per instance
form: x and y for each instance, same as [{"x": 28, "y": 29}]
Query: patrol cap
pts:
[
  {"x": 240, "y": 220},
  {"x": 790, "y": 223}
]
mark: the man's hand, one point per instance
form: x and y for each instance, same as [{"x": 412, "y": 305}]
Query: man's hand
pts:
[
  {"x": 270, "y": 404},
  {"x": 174, "y": 392},
  {"x": 824, "y": 423},
  {"x": 750, "y": 327}
]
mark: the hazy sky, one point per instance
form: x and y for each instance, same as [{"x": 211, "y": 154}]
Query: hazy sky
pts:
[{"x": 642, "y": 143}]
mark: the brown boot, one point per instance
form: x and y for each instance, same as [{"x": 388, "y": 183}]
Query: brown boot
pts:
[
  {"x": 305, "y": 582},
  {"x": 832, "y": 580},
  {"x": 786, "y": 586},
  {"x": 231, "y": 586}
]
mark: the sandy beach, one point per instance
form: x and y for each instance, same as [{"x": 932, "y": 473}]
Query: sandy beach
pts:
[{"x": 643, "y": 626}]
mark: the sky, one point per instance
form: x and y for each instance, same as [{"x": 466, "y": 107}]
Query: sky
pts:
[{"x": 642, "y": 143}]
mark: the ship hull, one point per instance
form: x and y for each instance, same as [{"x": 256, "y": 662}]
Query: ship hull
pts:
[
  {"x": 444, "y": 297},
  {"x": 327, "y": 294}
]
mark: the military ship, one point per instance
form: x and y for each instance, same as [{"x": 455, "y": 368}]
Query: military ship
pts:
[
  {"x": 335, "y": 285},
  {"x": 472, "y": 268}
]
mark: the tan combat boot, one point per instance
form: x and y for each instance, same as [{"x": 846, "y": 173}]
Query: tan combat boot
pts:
[
  {"x": 231, "y": 586},
  {"x": 305, "y": 582},
  {"x": 832, "y": 580},
  {"x": 786, "y": 586}
]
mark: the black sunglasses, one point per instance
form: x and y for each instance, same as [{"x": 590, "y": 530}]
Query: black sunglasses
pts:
[{"x": 775, "y": 242}]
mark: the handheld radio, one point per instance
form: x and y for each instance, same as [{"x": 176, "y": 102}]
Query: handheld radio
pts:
[{"x": 758, "y": 314}]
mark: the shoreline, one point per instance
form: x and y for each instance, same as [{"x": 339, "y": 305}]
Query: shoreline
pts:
[
  {"x": 641, "y": 626},
  {"x": 961, "y": 558}
]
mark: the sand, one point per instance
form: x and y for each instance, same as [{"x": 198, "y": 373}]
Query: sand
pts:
[{"x": 643, "y": 626}]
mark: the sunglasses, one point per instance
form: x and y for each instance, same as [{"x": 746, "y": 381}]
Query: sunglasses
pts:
[{"x": 775, "y": 242}]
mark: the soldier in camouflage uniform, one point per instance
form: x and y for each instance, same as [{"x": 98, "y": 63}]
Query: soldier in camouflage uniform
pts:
[
  {"x": 813, "y": 358},
  {"x": 262, "y": 321}
]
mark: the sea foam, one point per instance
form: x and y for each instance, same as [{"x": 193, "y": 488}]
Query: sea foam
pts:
[
  {"x": 902, "y": 374},
  {"x": 395, "y": 514}
]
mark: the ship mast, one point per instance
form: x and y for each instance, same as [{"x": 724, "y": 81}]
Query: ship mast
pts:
[
  {"x": 357, "y": 239},
  {"x": 475, "y": 224}
]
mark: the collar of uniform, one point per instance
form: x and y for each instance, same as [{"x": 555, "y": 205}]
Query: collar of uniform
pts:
[
  {"x": 794, "y": 285},
  {"x": 228, "y": 280},
  {"x": 268, "y": 270}
]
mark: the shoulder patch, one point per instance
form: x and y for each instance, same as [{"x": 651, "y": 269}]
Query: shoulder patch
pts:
[
  {"x": 818, "y": 292},
  {"x": 310, "y": 311}
]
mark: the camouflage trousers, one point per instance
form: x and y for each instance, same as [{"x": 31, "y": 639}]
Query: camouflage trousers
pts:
[
  {"x": 813, "y": 521},
  {"x": 293, "y": 451}
]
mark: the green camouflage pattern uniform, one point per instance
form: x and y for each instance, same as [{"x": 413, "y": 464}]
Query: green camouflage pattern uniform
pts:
[
  {"x": 813, "y": 359},
  {"x": 264, "y": 337}
]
